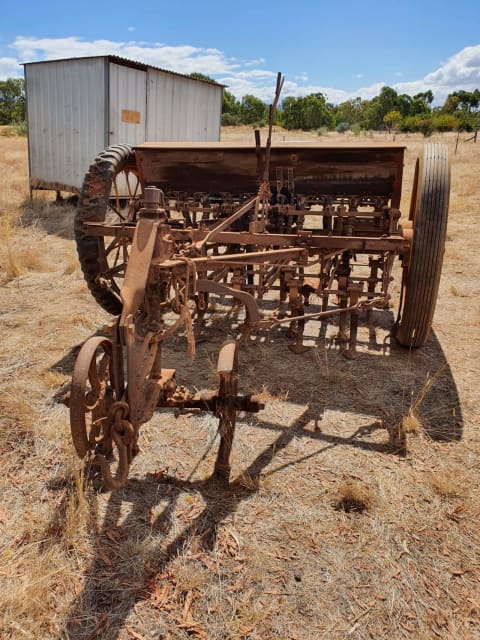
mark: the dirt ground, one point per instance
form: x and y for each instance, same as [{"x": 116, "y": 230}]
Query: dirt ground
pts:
[{"x": 325, "y": 532}]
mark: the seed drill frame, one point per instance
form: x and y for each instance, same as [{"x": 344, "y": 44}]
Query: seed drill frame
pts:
[{"x": 163, "y": 227}]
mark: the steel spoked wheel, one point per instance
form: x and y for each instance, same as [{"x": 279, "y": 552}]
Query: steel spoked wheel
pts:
[
  {"x": 98, "y": 417},
  {"x": 227, "y": 369},
  {"x": 110, "y": 194},
  {"x": 91, "y": 396},
  {"x": 429, "y": 213}
]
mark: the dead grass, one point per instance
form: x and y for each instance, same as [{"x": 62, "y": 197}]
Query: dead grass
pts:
[
  {"x": 325, "y": 533},
  {"x": 411, "y": 423},
  {"x": 353, "y": 498},
  {"x": 446, "y": 485}
]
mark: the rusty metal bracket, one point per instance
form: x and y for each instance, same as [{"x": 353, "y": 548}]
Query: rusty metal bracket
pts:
[
  {"x": 251, "y": 307},
  {"x": 138, "y": 267}
]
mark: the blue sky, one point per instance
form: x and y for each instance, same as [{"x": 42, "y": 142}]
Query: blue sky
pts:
[{"x": 343, "y": 49}]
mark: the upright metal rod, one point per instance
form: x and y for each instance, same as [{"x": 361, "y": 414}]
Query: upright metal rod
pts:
[{"x": 271, "y": 117}]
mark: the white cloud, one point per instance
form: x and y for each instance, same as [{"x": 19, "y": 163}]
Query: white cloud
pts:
[
  {"x": 256, "y": 74},
  {"x": 461, "y": 71},
  {"x": 332, "y": 95},
  {"x": 302, "y": 77},
  {"x": 367, "y": 93},
  {"x": 130, "y": 28},
  {"x": 181, "y": 58},
  {"x": 254, "y": 63},
  {"x": 10, "y": 68}
]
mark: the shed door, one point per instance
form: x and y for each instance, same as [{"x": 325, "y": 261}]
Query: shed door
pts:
[{"x": 127, "y": 105}]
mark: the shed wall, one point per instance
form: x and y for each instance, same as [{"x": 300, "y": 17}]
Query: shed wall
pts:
[
  {"x": 66, "y": 111},
  {"x": 127, "y": 104},
  {"x": 179, "y": 109},
  {"x": 77, "y": 107}
]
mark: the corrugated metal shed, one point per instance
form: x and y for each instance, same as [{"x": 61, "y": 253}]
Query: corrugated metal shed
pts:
[
  {"x": 79, "y": 106},
  {"x": 172, "y": 109}
]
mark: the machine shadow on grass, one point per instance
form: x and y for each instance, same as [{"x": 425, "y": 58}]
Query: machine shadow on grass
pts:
[
  {"x": 385, "y": 380},
  {"x": 103, "y": 599},
  {"x": 378, "y": 386}
]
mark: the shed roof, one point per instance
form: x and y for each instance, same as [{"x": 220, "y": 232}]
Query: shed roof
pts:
[{"x": 128, "y": 63}]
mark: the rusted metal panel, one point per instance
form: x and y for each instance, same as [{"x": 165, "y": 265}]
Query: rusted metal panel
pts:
[
  {"x": 50, "y": 185},
  {"x": 133, "y": 117},
  {"x": 216, "y": 168}
]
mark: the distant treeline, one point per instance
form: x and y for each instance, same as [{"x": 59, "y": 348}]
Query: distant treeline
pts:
[{"x": 389, "y": 110}]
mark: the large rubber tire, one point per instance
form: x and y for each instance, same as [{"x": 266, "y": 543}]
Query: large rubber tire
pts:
[
  {"x": 429, "y": 213},
  {"x": 97, "y": 204}
]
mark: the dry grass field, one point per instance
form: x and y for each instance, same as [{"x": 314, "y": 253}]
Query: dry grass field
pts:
[{"x": 325, "y": 532}]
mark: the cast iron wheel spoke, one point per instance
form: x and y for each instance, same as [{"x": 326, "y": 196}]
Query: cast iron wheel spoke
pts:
[
  {"x": 116, "y": 271},
  {"x": 114, "y": 244},
  {"x": 114, "y": 249},
  {"x": 116, "y": 210}
]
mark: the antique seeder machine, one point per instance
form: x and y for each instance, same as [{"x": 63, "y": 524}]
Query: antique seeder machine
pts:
[{"x": 163, "y": 227}]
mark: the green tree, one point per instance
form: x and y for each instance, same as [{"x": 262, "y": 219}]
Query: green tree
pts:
[
  {"x": 425, "y": 126},
  {"x": 373, "y": 115},
  {"x": 388, "y": 99},
  {"x": 445, "y": 122},
  {"x": 252, "y": 110},
  {"x": 342, "y": 127},
  {"x": 468, "y": 100},
  {"x": 309, "y": 112},
  {"x": 12, "y": 101},
  {"x": 411, "y": 124},
  {"x": 426, "y": 97},
  {"x": 350, "y": 111},
  {"x": 230, "y": 103},
  {"x": 419, "y": 107},
  {"x": 291, "y": 113},
  {"x": 451, "y": 103},
  {"x": 378, "y": 107},
  {"x": 315, "y": 112},
  {"x": 202, "y": 76},
  {"x": 464, "y": 106},
  {"x": 404, "y": 104},
  {"x": 392, "y": 120}
]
